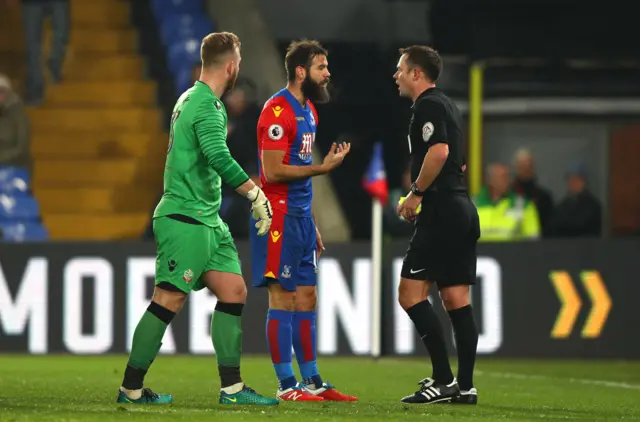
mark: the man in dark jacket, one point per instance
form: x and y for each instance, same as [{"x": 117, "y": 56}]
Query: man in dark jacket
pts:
[
  {"x": 525, "y": 184},
  {"x": 242, "y": 142},
  {"x": 579, "y": 214},
  {"x": 14, "y": 128}
]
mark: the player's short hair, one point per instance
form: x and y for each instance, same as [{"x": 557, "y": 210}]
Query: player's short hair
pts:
[
  {"x": 301, "y": 53},
  {"x": 216, "y": 45},
  {"x": 426, "y": 58}
]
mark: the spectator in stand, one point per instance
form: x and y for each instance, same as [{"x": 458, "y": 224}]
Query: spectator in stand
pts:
[
  {"x": 243, "y": 112},
  {"x": 33, "y": 14},
  {"x": 504, "y": 215},
  {"x": 525, "y": 184},
  {"x": 579, "y": 214},
  {"x": 14, "y": 128},
  {"x": 241, "y": 128}
]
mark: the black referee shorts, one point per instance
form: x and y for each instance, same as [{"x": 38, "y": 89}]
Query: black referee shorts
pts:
[{"x": 443, "y": 247}]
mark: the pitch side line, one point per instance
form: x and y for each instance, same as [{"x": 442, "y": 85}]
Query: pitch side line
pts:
[{"x": 600, "y": 383}]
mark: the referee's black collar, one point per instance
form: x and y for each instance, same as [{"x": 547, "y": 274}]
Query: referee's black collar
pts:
[{"x": 429, "y": 91}]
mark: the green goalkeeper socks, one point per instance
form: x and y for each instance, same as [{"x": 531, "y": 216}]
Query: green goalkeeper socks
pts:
[
  {"x": 146, "y": 343},
  {"x": 226, "y": 333}
]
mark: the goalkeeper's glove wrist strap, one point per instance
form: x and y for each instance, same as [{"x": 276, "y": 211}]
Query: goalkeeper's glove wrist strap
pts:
[{"x": 253, "y": 194}]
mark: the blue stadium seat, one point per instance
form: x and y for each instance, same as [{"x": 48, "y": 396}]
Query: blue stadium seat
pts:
[
  {"x": 23, "y": 232},
  {"x": 184, "y": 26},
  {"x": 163, "y": 8},
  {"x": 183, "y": 54},
  {"x": 183, "y": 78},
  {"x": 14, "y": 180},
  {"x": 19, "y": 208}
]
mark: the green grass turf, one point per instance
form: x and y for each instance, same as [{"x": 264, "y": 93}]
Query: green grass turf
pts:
[{"x": 71, "y": 388}]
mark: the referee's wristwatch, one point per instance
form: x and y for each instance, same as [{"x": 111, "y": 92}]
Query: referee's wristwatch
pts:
[{"x": 415, "y": 190}]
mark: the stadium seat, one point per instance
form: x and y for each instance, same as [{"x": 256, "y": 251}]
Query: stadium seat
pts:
[
  {"x": 181, "y": 27},
  {"x": 23, "y": 232},
  {"x": 14, "y": 180},
  {"x": 184, "y": 78},
  {"x": 183, "y": 54},
  {"x": 163, "y": 8},
  {"x": 19, "y": 208}
]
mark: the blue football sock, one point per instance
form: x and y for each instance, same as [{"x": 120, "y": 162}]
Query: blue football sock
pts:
[
  {"x": 279, "y": 341},
  {"x": 304, "y": 344}
]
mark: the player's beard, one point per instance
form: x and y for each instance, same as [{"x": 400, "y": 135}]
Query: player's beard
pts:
[
  {"x": 232, "y": 81},
  {"x": 314, "y": 91}
]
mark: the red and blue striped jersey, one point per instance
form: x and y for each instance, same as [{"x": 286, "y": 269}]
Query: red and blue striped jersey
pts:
[{"x": 287, "y": 126}]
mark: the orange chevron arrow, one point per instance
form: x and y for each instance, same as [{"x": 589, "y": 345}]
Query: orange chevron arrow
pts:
[
  {"x": 601, "y": 303},
  {"x": 571, "y": 304}
]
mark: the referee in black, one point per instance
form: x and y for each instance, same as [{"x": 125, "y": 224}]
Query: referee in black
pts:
[{"x": 442, "y": 249}]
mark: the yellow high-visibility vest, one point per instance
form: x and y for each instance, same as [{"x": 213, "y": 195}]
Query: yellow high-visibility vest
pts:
[{"x": 511, "y": 218}]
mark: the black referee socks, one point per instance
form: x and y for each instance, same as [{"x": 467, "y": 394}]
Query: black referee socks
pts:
[
  {"x": 430, "y": 330},
  {"x": 466, "y": 333}
]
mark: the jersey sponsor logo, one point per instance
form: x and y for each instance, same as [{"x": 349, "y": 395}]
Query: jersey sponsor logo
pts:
[
  {"x": 306, "y": 149},
  {"x": 275, "y": 236},
  {"x": 187, "y": 276},
  {"x": 277, "y": 110},
  {"x": 427, "y": 131},
  {"x": 276, "y": 132}
]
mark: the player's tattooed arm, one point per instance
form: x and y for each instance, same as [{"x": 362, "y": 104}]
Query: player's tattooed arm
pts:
[{"x": 276, "y": 171}]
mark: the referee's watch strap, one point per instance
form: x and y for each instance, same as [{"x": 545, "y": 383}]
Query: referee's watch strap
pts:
[{"x": 415, "y": 190}]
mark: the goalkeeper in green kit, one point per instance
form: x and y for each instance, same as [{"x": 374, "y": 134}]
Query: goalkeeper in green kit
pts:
[{"x": 194, "y": 247}]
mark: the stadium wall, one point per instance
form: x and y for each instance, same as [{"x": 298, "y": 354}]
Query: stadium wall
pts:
[{"x": 548, "y": 299}]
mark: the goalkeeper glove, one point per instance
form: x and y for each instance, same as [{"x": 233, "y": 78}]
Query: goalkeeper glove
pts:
[{"x": 261, "y": 210}]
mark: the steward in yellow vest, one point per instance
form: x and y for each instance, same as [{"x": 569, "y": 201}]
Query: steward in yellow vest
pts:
[{"x": 510, "y": 217}]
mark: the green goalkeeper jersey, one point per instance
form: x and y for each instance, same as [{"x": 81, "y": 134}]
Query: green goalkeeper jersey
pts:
[{"x": 198, "y": 158}]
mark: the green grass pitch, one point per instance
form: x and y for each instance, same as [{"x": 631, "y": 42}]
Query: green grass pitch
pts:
[{"x": 72, "y": 388}]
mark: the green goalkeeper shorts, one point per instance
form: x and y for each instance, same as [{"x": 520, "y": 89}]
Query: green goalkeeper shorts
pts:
[{"x": 186, "y": 251}]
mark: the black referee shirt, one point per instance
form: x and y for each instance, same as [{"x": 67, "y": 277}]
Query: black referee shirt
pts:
[{"x": 436, "y": 119}]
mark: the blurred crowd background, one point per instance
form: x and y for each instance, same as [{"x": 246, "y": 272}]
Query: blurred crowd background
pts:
[{"x": 86, "y": 88}]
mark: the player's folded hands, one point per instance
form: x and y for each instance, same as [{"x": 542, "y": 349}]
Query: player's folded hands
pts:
[{"x": 261, "y": 210}]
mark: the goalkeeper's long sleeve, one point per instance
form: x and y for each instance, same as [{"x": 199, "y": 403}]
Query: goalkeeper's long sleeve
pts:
[{"x": 210, "y": 128}]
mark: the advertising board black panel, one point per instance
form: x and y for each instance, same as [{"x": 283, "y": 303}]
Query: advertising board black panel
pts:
[{"x": 545, "y": 299}]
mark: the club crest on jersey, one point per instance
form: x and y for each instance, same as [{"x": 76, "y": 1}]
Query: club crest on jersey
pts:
[
  {"x": 187, "y": 276},
  {"x": 276, "y": 132},
  {"x": 427, "y": 131},
  {"x": 287, "y": 271},
  {"x": 313, "y": 119}
]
